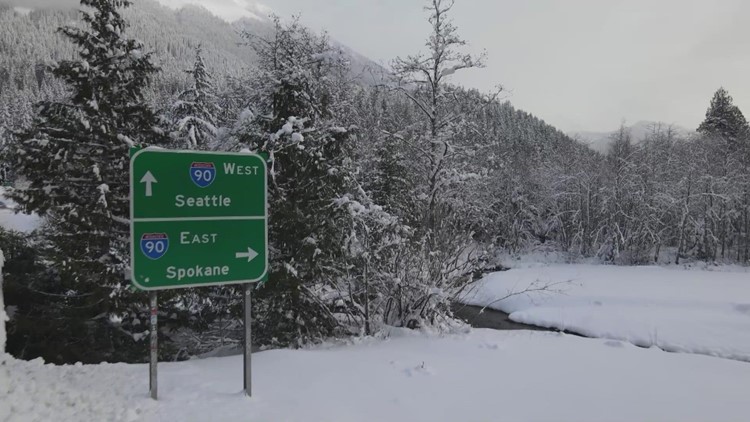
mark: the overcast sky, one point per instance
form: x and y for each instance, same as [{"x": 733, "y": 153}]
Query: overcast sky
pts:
[{"x": 581, "y": 65}]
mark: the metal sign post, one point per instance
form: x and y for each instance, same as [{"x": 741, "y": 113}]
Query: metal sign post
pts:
[
  {"x": 154, "y": 350},
  {"x": 248, "y": 349},
  {"x": 197, "y": 219}
]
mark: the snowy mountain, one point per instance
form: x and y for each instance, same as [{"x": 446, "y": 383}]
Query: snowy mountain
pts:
[
  {"x": 362, "y": 67},
  {"x": 229, "y": 10},
  {"x": 170, "y": 28},
  {"x": 600, "y": 141}
]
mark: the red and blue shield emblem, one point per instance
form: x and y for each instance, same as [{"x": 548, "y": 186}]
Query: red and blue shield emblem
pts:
[
  {"x": 154, "y": 245},
  {"x": 202, "y": 174}
]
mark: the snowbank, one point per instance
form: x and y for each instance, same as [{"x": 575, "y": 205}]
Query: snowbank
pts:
[
  {"x": 483, "y": 375},
  {"x": 695, "y": 311},
  {"x": 33, "y": 391}
]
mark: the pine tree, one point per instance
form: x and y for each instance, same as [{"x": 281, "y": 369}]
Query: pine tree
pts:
[
  {"x": 726, "y": 187},
  {"x": 293, "y": 121},
  {"x": 725, "y": 121},
  {"x": 323, "y": 279},
  {"x": 73, "y": 169},
  {"x": 194, "y": 112}
]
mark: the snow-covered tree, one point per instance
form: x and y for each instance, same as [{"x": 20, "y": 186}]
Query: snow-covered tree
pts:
[
  {"x": 294, "y": 102},
  {"x": 725, "y": 121},
  {"x": 726, "y": 181},
  {"x": 440, "y": 142},
  {"x": 72, "y": 166},
  {"x": 194, "y": 112}
]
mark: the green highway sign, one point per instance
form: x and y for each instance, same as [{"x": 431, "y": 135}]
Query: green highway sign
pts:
[{"x": 197, "y": 218}]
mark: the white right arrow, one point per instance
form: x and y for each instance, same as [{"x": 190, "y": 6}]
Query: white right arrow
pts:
[
  {"x": 148, "y": 179},
  {"x": 250, "y": 254}
]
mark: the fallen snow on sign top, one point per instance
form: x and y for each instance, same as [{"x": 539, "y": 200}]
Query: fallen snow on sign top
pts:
[
  {"x": 482, "y": 375},
  {"x": 696, "y": 311}
]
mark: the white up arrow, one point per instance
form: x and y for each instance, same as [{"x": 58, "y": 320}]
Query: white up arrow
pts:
[
  {"x": 250, "y": 254},
  {"x": 148, "y": 179}
]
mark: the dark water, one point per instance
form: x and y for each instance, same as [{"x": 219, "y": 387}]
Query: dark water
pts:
[{"x": 489, "y": 318}]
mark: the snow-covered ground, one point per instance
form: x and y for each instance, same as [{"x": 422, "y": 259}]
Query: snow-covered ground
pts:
[
  {"x": 475, "y": 375},
  {"x": 675, "y": 309},
  {"x": 11, "y": 220},
  {"x": 481, "y": 375}
]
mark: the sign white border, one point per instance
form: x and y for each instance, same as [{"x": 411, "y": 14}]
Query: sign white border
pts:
[{"x": 133, "y": 221}]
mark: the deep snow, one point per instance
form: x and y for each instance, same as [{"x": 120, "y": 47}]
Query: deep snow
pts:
[
  {"x": 476, "y": 375},
  {"x": 676, "y": 309},
  {"x": 482, "y": 375}
]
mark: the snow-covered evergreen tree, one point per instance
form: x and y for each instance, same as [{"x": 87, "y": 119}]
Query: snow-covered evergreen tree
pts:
[
  {"x": 193, "y": 114},
  {"x": 294, "y": 120},
  {"x": 73, "y": 168},
  {"x": 727, "y": 187},
  {"x": 725, "y": 121}
]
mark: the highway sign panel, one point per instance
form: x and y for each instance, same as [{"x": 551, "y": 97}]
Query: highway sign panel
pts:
[{"x": 197, "y": 218}]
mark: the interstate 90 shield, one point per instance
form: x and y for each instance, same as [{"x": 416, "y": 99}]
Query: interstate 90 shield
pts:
[
  {"x": 202, "y": 173},
  {"x": 154, "y": 245}
]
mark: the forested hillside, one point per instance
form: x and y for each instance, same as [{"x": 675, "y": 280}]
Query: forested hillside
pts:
[
  {"x": 29, "y": 43},
  {"x": 387, "y": 198}
]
